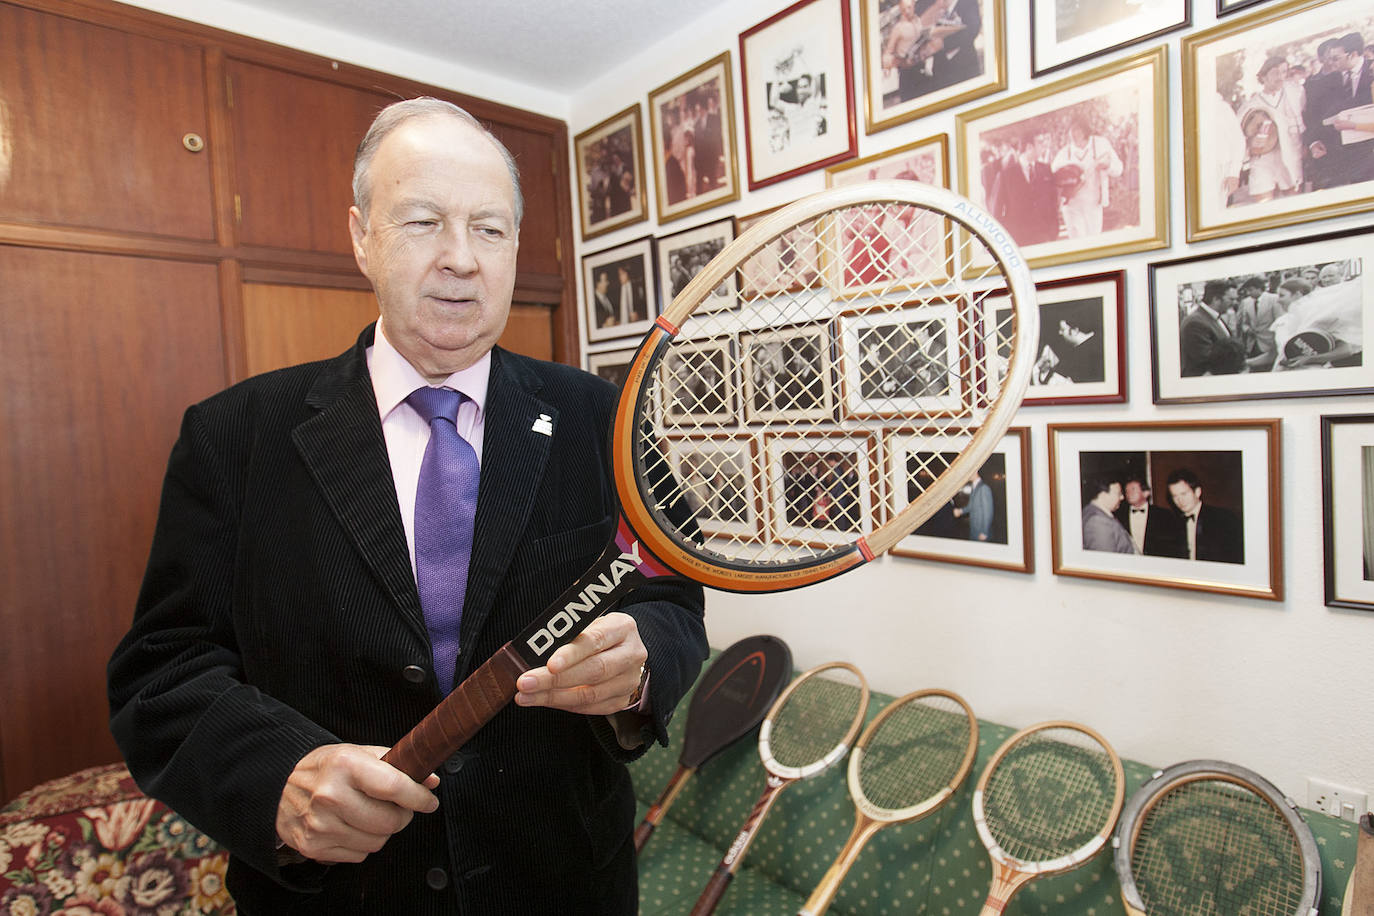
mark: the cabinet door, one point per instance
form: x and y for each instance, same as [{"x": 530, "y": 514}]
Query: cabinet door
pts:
[
  {"x": 285, "y": 325},
  {"x": 294, "y": 140},
  {"x": 534, "y": 154},
  {"x": 102, "y": 355},
  {"x": 91, "y": 128}
]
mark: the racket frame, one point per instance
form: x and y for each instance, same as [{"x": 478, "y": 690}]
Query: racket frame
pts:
[{"x": 1167, "y": 780}]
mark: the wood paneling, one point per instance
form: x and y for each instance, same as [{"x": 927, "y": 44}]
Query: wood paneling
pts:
[
  {"x": 102, "y": 355},
  {"x": 534, "y": 154},
  {"x": 286, "y": 325},
  {"x": 529, "y": 331},
  {"x": 91, "y": 126}
]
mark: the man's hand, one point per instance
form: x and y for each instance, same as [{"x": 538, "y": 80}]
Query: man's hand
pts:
[
  {"x": 341, "y": 803},
  {"x": 596, "y": 674}
]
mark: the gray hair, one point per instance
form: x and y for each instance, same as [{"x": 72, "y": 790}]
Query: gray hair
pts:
[{"x": 398, "y": 113}]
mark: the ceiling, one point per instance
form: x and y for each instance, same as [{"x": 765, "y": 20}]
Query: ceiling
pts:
[{"x": 555, "y": 45}]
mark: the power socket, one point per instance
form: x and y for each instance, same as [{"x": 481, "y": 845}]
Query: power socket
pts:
[{"x": 1338, "y": 801}]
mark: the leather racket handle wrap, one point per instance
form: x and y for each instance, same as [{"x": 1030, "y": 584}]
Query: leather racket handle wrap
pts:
[
  {"x": 715, "y": 889},
  {"x": 474, "y": 703}
]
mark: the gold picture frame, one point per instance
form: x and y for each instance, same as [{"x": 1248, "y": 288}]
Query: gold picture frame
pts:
[
  {"x": 610, "y": 189},
  {"x": 693, "y": 148}
]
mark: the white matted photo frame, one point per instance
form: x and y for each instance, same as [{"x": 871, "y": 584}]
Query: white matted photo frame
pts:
[
  {"x": 799, "y": 248},
  {"x": 923, "y": 56},
  {"x": 716, "y": 475},
  {"x": 610, "y": 173},
  {"x": 1076, "y": 169},
  {"x": 1286, "y": 319},
  {"x": 1081, "y": 357},
  {"x": 1226, "y": 474},
  {"x": 697, "y": 384},
  {"x": 799, "y": 355},
  {"x": 692, "y": 122},
  {"x": 1348, "y": 510},
  {"x": 798, "y": 89},
  {"x": 988, "y": 523},
  {"x": 620, "y": 290},
  {"x": 612, "y": 365},
  {"x": 1064, "y": 33},
  {"x": 1269, "y": 138},
  {"x": 822, "y": 487},
  {"x": 682, "y": 255},
  {"x": 907, "y": 362}
]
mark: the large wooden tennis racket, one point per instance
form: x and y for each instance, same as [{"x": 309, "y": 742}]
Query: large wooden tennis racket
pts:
[
  {"x": 1046, "y": 803},
  {"x": 1209, "y": 838},
  {"x": 731, "y": 699},
  {"x": 744, "y": 440},
  {"x": 809, "y": 730},
  {"x": 907, "y": 764}
]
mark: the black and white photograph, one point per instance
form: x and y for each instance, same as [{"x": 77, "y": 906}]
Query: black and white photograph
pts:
[
  {"x": 620, "y": 290},
  {"x": 692, "y": 122},
  {"x": 612, "y": 365},
  {"x": 1279, "y": 117},
  {"x": 902, "y": 364},
  {"x": 798, "y": 91},
  {"x": 1189, "y": 504},
  {"x": 1076, "y": 169},
  {"x": 922, "y": 56},
  {"x": 610, "y": 174},
  {"x": 1348, "y": 510},
  {"x": 988, "y": 521},
  {"x": 787, "y": 375},
  {"x": 1278, "y": 320},
  {"x": 821, "y": 487},
  {"x": 716, "y": 475},
  {"x": 1064, "y": 32},
  {"x": 682, "y": 255},
  {"x": 697, "y": 383}
]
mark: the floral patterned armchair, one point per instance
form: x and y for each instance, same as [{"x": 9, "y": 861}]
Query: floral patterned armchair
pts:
[{"x": 91, "y": 844}]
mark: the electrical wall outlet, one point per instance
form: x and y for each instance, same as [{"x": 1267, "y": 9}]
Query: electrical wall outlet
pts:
[{"x": 1338, "y": 801}]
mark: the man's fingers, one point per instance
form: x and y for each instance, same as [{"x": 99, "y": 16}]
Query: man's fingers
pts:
[{"x": 596, "y": 673}]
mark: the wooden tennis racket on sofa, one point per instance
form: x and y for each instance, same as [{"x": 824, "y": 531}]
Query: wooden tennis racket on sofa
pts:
[{"x": 891, "y": 281}]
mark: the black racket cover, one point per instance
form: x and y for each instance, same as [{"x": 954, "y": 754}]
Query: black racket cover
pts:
[{"x": 734, "y": 695}]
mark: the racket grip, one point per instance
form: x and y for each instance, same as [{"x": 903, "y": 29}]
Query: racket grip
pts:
[
  {"x": 715, "y": 889},
  {"x": 472, "y": 704},
  {"x": 642, "y": 834}
]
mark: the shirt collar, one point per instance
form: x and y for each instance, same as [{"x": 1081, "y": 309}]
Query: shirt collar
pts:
[{"x": 394, "y": 378}]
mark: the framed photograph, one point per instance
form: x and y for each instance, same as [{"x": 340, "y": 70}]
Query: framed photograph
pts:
[
  {"x": 612, "y": 365},
  {"x": 692, "y": 121},
  {"x": 1081, "y": 357},
  {"x": 1225, "y": 7},
  {"x": 787, "y": 375},
  {"x": 716, "y": 474},
  {"x": 1075, "y": 169},
  {"x": 1064, "y": 32},
  {"x": 821, "y": 487},
  {"x": 682, "y": 255},
  {"x": 619, "y": 290},
  {"x": 1348, "y": 510},
  {"x": 878, "y": 244},
  {"x": 697, "y": 383},
  {"x": 610, "y": 173},
  {"x": 1275, "y": 133},
  {"x": 922, "y": 56},
  {"x": 988, "y": 522},
  {"x": 1185, "y": 504},
  {"x": 798, "y": 91},
  {"x": 902, "y": 363},
  {"x": 1286, "y": 319},
  {"x": 799, "y": 249}
]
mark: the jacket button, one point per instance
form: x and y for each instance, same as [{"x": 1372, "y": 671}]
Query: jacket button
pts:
[
  {"x": 436, "y": 878},
  {"x": 413, "y": 673},
  {"x": 454, "y": 763}
]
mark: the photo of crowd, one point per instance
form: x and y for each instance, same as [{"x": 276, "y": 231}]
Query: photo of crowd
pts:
[
  {"x": 977, "y": 512},
  {"x": 693, "y": 147},
  {"x": 928, "y": 46},
  {"x": 821, "y": 489},
  {"x": 611, "y": 183}
]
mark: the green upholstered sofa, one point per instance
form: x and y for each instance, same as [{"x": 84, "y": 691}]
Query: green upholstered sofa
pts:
[{"x": 936, "y": 866}]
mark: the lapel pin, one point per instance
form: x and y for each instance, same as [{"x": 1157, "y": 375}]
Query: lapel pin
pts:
[{"x": 543, "y": 425}]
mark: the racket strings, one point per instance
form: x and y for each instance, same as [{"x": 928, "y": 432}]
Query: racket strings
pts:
[
  {"x": 1051, "y": 794},
  {"x": 771, "y": 414},
  {"x": 1215, "y": 847},
  {"x": 815, "y": 718},
  {"x": 915, "y": 752}
]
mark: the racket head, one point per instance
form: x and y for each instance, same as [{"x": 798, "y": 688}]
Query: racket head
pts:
[
  {"x": 913, "y": 756},
  {"x": 1210, "y": 837},
  {"x": 814, "y": 722},
  {"x": 780, "y": 400},
  {"x": 1049, "y": 798},
  {"x": 733, "y": 696}
]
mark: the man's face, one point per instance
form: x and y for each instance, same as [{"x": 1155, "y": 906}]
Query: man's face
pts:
[
  {"x": 1072, "y": 334},
  {"x": 1136, "y": 495},
  {"x": 804, "y": 88},
  {"x": 1111, "y": 499},
  {"x": 1229, "y": 299},
  {"x": 439, "y": 242},
  {"x": 1285, "y": 297},
  {"x": 1185, "y": 497}
]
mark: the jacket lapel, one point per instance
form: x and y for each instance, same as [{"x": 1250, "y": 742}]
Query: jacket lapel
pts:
[{"x": 343, "y": 448}]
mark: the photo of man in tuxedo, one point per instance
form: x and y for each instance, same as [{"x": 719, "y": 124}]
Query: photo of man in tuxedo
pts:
[
  {"x": 1155, "y": 530},
  {"x": 1206, "y": 346},
  {"x": 1210, "y": 532}
]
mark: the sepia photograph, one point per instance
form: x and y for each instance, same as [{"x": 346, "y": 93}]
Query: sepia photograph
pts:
[
  {"x": 1188, "y": 504},
  {"x": 1279, "y": 117},
  {"x": 696, "y": 383},
  {"x": 610, "y": 170},
  {"x": 1348, "y": 510},
  {"x": 1076, "y": 169},
  {"x": 612, "y": 365},
  {"x": 1064, "y": 32},
  {"x": 1285, "y": 319},
  {"x": 922, "y": 56},
  {"x": 821, "y": 487},
  {"x": 682, "y": 255},
  {"x": 692, "y": 122},
  {"x": 716, "y": 476},
  {"x": 619, "y": 290}
]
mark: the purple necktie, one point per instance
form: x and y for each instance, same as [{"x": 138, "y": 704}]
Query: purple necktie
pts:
[{"x": 445, "y": 506}]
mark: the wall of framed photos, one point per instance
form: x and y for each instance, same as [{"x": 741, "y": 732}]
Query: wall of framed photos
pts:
[{"x": 1239, "y": 657}]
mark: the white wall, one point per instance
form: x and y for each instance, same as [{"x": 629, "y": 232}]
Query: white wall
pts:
[{"x": 1165, "y": 674}]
